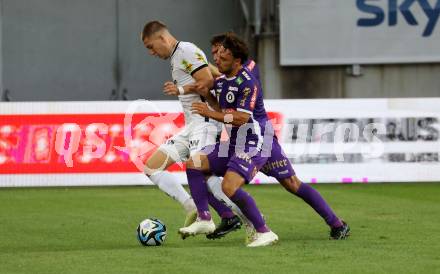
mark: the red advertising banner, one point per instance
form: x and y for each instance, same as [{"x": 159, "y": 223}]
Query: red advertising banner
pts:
[{"x": 84, "y": 143}]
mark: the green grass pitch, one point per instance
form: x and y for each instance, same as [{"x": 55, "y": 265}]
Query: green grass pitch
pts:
[{"x": 395, "y": 229}]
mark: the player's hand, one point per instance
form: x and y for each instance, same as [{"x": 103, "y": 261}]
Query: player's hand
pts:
[
  {"x": 200, "y": 89},
  {"x": 169, "y": 88},
  {"x": 200, "y": 108}
]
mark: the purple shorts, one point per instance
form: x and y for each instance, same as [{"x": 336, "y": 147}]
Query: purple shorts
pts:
[
  {"x": 278, "y": 165},
  {"x": 247, "y": 162}
]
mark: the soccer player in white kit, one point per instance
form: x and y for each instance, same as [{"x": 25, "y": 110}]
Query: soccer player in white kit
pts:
[{"x": 189, "y": 68}]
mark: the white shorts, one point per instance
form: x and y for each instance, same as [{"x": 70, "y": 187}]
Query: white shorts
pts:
[{"x": 191, "y": 139}]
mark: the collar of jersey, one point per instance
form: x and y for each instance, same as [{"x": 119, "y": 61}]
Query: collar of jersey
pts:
[
  {"x": 235, "y": 76},
  {"x": 175, "y": 48}
]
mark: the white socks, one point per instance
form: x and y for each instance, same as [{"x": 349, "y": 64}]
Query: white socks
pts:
[
  {"x": 168, "y": 183},
  {"x": 215, "y": 187}
]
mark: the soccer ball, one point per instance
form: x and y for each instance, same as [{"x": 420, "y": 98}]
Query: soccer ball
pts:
[{"x": 151, "y": 232}]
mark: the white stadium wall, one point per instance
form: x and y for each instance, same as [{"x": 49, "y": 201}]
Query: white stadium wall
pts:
[{"x": 328, "y": 141}]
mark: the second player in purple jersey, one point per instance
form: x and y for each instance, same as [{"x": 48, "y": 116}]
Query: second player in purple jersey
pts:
[
  {"x": 249, "y": 158},
  {"x": 253, "y": 68},
  {"x": 244, "y": 111}
]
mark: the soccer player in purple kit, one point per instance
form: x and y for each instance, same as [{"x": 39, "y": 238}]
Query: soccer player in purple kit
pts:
[
  {"x": 240, "y": 159},
  {"x": 277, "y": 165},
  {"x": 230, "y": 224}
]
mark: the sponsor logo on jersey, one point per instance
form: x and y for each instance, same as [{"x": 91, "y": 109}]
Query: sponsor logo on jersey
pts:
[
  {"x": 239, "y": 80},
  {"x": 187, "y": 66},
  {"x": 246, "y": 92},
  {"x": 246, "y": 75},
  {"x": 230, "y": 97},
  {"x": 243, "y": 156},
  {"x": 233, "y": 88},
  {"x": 283, "y": 172},
  {"x": 200, "y": 57},
  {"x": 274, "y": 164},
  {"x": 254, "y": 97},
  {"x": 193, "y": 143}
]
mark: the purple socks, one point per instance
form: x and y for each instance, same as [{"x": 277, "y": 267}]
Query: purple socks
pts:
[
  {"x": 247, "y": 205},
  {"x": 315, "y": 200},
  {"x": 201, "y": 196},
  {"x": 222, "y": 210},
  {"x": 199, "y": 192}
]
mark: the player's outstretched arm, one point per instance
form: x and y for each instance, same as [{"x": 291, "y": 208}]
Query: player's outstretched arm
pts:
[
  {"x": 203, "y": 81},
  {"x": 236, "y": 118}
]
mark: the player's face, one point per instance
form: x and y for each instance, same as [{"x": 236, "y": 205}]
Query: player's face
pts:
[
  {"x": 157, "y": 46},
  {"x": 225, "y": 61},
  {"x": 215, "y": 51}
]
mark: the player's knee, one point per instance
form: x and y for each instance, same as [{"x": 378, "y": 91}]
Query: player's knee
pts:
[
  {"x": 156, "y": 163},
  {"x": 231, "y": 183},
  {"x": 228, "y": 188},
  {"x": 291, "y": 184},
  {"x": 150, "y": 167}
]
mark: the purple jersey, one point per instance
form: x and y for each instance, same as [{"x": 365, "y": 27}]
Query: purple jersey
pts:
[
  {"x": 252, "y": 67},
  {"x": 246, "y": 152},
  {"x": 243, "y": 93}
]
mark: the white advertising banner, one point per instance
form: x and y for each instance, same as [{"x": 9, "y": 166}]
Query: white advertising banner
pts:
[
  {"x": 323, "y": 32},
  {"x": 327, "y": 141}
]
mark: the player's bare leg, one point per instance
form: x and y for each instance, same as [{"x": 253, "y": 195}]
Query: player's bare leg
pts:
[
  {"x": 339, "y": 229},
  {"x": 155, "y": 169}
]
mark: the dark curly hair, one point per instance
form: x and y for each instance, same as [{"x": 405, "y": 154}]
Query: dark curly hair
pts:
[
  {"x": 217, "y": 39},
  {"x": 237, "y": 46}
]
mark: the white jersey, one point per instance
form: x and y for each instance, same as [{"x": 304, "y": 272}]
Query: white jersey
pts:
[
  {"x": 187, "y": 59},
  {"x": 199, "y": 131}
]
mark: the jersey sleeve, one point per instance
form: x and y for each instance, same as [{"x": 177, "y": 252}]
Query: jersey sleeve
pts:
[
  {"x": 253, "y": 68},
  {"x": 247, "y": 96},
  {"x": 192, "y": 60}
]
